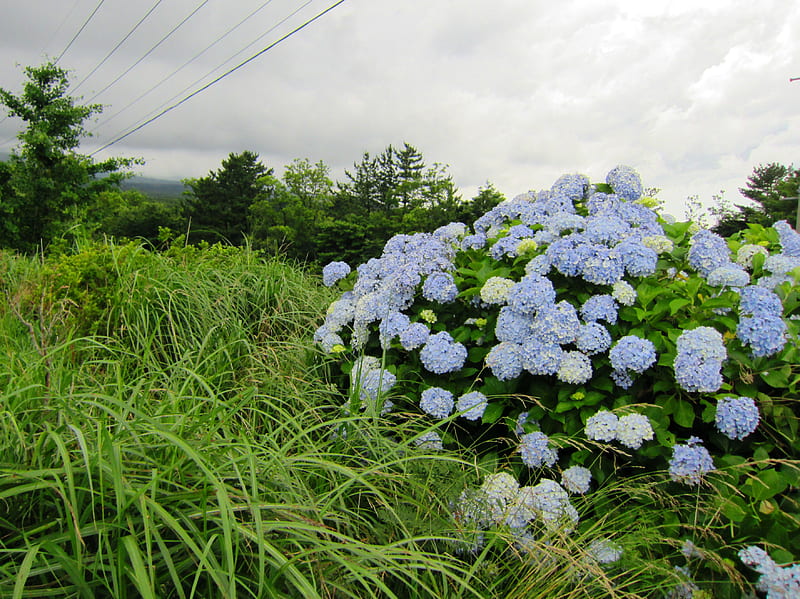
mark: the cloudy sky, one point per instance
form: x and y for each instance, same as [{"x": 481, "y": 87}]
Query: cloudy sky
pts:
[{"x": 516, "y": 92}]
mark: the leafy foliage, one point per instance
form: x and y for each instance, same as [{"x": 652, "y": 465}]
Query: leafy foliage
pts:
[{"x": 46, "y": 185}]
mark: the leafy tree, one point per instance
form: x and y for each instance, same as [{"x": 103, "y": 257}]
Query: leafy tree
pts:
[
  {"x": 217, "y": 205},
  {"x": 772, "y": 187},
  {"x": 46, "y": 185}
]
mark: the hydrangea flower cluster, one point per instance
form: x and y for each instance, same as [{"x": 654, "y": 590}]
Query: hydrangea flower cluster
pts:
[
  {"x": 776, "y": 582},
  {"x": 736, "y": 417},
  {"x": 690, "y": 462},
  {"x": 631, "y": 430},
  {"x": 536, "y": 451},
  {"x": 698, "y": 363}
]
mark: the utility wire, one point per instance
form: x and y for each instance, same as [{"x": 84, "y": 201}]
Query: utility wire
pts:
[
  {"x": 85, "y": 23},
  {"x": 64, "y": 20},
  {"x": 221, "y": 77},
  {"x": 215, "y": 69},
  {"x": 115, "y": 48},
  {"x": 184, "y": 65},
  {"x": 151, "y": 50}
]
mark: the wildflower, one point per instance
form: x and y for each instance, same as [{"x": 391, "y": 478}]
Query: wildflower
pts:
[
  {"x": 430, "y": 441},
  {"x": 535, "y": 450},
  {"x": 766, "y": 335},
  {"x": 414, "y": 335},
  {"x": 575, "y": 368},
  {"x": 625, "y": 182},
  {"x": 736, "y": 417},
  {"x": 624, "y": 293},
  {"x": 540, "y": 358},
  {"x": 441, "y": 354},
  {"x": 505, "y": 360},
  {"x": 472, "y": 405},
  {"x": 699, "y": 358},
  {"x": 495, "y": 290},
  {"x": 690, "y": 462},
  {"x": 633, "y": 430},
  {"x": 708, "y": 251},
  {"x": 728, "y": 275},
  {"x": 576, "y": 479},
  {"x": 333, "y": 272},
  {"x": 437, "y": 402},
  {"x": 604, "y": 551},
  {"x": 746, "y": 253},
  {"x": 600, "y": 307},
  {"x": 439, "y": 287},
  {"x": 602, "y": 426},
  {"x": 632, "y": 353}
]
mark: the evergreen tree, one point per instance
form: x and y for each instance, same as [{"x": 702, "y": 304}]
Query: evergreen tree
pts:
[{"x": 46, "y": 186}]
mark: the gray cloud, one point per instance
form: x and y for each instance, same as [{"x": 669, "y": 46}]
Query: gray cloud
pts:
[{"x": 516, "y": 92}]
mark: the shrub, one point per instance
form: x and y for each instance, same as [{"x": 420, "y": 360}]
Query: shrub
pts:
[{"x": 602, "y": 336}]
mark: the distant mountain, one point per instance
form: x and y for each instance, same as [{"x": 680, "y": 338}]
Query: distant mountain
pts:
[{"x": 162, "y": 189}]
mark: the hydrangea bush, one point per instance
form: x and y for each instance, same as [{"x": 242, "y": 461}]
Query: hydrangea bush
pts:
[{"x": 591, "y": 338}]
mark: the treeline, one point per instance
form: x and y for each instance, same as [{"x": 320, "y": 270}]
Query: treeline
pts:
[{"x": 50, "y": 193}]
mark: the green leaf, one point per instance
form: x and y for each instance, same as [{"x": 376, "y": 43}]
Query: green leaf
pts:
[
  {"x": 492, "y": 413},
  {"x": 764, "y": 485},
  {"x": 777, "y": 378},
  {"x": 683, "y": 414},
  {"x": 733, "y": 508},
  {"x": 677, "y": 304}
]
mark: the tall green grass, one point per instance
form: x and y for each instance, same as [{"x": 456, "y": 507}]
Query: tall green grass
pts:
[{"x": 166, "y": 430}]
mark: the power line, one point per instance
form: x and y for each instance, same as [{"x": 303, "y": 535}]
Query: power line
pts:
[
  {"x": 221, "y": 77},
  {"x": 196, "y": 81},
  {"x": 150, "y": 51},
  {"x": 85, "y": 23},
  {"x": 115, "y": 48},
  {"x": 180, "y": 68}
]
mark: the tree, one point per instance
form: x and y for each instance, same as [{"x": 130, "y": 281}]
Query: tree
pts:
[
  {"x": 217, "y": 206},
  {"x": 772, "y": 187},
  {"x": 46, "y": 185}
]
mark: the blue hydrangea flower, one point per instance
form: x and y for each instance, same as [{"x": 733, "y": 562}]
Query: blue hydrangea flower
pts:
[
  {"x": 633, "y": 430},
  {"x": 327, "y": 339},
  {"x": 759, "y": 301},
  {"x": 473, "y": 242},
  {"x": 496, "y": 289},
  {"x": 776, "y": 582},
  {"x": 632, "y": 353},
  {"x": 736, "y": 417},
  {"x": 593, "y": 338},
  {"x": 604, "y": 551},
  {"x": 576, "y": 479},
  {"x": 551, "y": 503},
  {"x": 790, "y": 240},
  {"x": 541, "y": 358},
  {"x": 638, "y": 259},
  {"x": 690, "y": 462},
  {"x": 505, "y": 360},
  {"x": 568, "y": 255},
  {"x": 602, "y": 266},
  {"x": 728, "y": 275},
  {"x": 531, "y": 293},
  {"x": 472, "y": 405},
  {"x": 708, "y": 251},
  {"x": 539, "y": 265},
  {"x": 765, "y": 335},
  {"x": 442, "y": 354},
  {"x": 535, "y": 450},
  {"x": 699, "y": 358},
  {"x": 391, "y": 326},
  {"x": 602, "y": 426},
  {"x": 414, "y": 336},
  {"x": 606, "y": 229},
  {"x": 575, "y": 368},
  {"x": 439, "y": 287},
  {"x": 334, "y": 271},
  {"x": 556, "y": 324},
  {"x": 505, "y": 247},
  {"x": 375, "y": 383},
  {"x": 429, "y": 441},
  {"x": 437, "y": 402},
  {"x": 600, "y": 307},
  {"x": 625, "y": 182},
  {"x": 513, "y": 326},
  {"x": 573, "y": 186}
]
